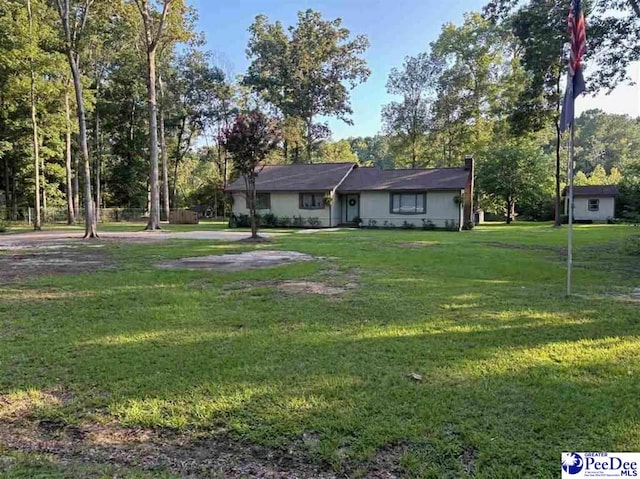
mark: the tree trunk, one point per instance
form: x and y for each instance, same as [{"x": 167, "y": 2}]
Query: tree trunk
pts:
[
  {"x": 76, "y": 185},
  {"x": 309, "y": 141},
  {"x": 8, "y": 199},
  {"x": 178, "y": 159},
  {"x": 98, "y": 163},
  {"x": 252, "y": 206},
  {"x": 37, "y": 225},
  {"x": 163, "y": 146},
  {"x": 90, "y": 230},
  {"x": 413, "y": 155},
  {"x": 43, "y": 188},
  {"x": 296, "y": 153},
  {"x": 14, "y": 202},
  {"x": 154, "y": 212},
  {"x": 174, "y": 189},
  {"x": 558, "y": 210},
  {"x": 509, "y": 211},
  {"x": 71, "y": 215}
]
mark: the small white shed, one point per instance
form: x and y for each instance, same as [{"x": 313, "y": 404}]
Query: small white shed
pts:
[{"x": 593, "y": 203}]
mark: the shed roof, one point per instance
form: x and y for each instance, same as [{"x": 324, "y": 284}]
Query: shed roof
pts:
[{"x": 593, "y": 191}]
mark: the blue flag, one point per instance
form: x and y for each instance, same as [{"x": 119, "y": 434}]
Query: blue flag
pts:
[{"x": 575, "y": 86}]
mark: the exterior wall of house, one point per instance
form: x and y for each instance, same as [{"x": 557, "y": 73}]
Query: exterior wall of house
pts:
[
  {"x": 285, "y": 204},
  {"x": 374, "y": 206},
  {"x": 335, "y": 210},
  {"x": 441, "y": 208},
  {"x": 581, "y": 209}
]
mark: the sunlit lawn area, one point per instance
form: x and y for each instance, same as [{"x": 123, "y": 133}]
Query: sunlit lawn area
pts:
[{"x": 513, "y": 373}]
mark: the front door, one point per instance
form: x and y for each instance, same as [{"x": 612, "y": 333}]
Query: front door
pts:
[{"x": 352, "y": 207}]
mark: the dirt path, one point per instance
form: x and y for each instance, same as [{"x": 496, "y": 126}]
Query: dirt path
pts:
[{"x": 56, "y": 237}]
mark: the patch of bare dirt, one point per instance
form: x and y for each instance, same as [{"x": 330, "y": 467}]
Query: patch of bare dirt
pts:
[
  {"x": 24, "y": 263},
  {"x": 633, "y": 296},
  {"x": 191, "y": 454},
  {"x": 468, "y": 458},
  {"x": 21, "y": 405},
  {"x": 330, "y": 281},
  {"x": 386, "y": 462},
  {"x": 293, "y": 287},
  {"x": 195, "y": 455},
  {"x": 258, "y": 240},
  {"x": 418, "y": 244},
  {"x": 238, "y": 262}
]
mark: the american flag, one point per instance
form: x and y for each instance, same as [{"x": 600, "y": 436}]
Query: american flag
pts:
[
  {"x": 575, "y": 78},
  {"x": 578, "y": 34}
]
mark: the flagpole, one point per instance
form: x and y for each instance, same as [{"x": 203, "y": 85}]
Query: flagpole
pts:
[
  {"x": 575, "y": 86},
  {"x": 570, "y": 213}
]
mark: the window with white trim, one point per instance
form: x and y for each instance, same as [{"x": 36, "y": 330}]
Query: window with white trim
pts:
[
  {"x": 408, "y": 203},
  {"x": 311, "y": 201},
  {"x": 263, "y": 201},
  {"x": 594, "y": 204}
]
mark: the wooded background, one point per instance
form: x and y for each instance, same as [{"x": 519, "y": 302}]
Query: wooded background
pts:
[{"x": 155, "y": 104}]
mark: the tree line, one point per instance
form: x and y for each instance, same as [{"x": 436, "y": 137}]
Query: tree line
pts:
[{"x": 118, "y": 103}]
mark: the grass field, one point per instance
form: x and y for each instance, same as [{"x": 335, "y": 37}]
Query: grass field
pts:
[{"x": 513, "y": 373}]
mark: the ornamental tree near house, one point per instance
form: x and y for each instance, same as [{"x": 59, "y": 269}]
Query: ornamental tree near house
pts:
[
  {"x": 514, "y": 170},
  {"x": 249, "y": 141}
]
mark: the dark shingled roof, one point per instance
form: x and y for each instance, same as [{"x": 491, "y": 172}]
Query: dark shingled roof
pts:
[
  {"x": 313, "y": 177},
  {"x": 372, "y": 179},
  {"x": 593, "y": 190}
]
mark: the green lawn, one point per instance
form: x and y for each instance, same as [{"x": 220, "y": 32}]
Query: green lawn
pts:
[{"x": 513, "y": 372}]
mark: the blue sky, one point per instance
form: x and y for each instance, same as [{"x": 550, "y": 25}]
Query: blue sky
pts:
[{"x": 396, "y": 28}]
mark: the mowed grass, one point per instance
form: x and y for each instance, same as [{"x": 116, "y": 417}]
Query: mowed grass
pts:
[{"x": 513, "y": 373}]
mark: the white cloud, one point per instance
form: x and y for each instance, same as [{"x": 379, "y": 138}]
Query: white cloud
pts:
[{"x": 624, "y": 99}]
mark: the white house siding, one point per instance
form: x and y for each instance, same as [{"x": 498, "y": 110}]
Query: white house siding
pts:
[
  {"x": 581, "y": 209},
  {"x": 283, "y": 204},
  {"x": 441, "y": 208},
  {"x": 335, "y": 211}
]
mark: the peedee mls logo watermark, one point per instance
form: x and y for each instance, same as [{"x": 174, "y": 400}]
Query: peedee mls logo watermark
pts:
[{"x": 577, "y": 465}]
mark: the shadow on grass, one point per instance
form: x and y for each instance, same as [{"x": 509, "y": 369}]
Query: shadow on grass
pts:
[{"x": 511, "y": 376}]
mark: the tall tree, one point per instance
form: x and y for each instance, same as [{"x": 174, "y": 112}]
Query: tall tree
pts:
[
  {"x": 614, "y": 42},
  {"x": 373, "y": 151},
  {"x": 336, "y": 152},
  {"x": 612, "y": 141},
  {"x": 195, "y": 88},
  {"x": 71, "y": 209},
  {"x": 250, "y": 140},
  {"x": 74, "y": 16},
  {"x": 540, "y": 26},
  {"x": 473, "y": 56},
  {"x": 152, "y": 33},
  {"x": 409, "y": 119},
  {"x": 34, "y": 115},
  {"x": 307, "y": 71}
]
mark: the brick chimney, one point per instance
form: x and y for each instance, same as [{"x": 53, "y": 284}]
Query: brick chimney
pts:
[{"x": 468, "y": 191}]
